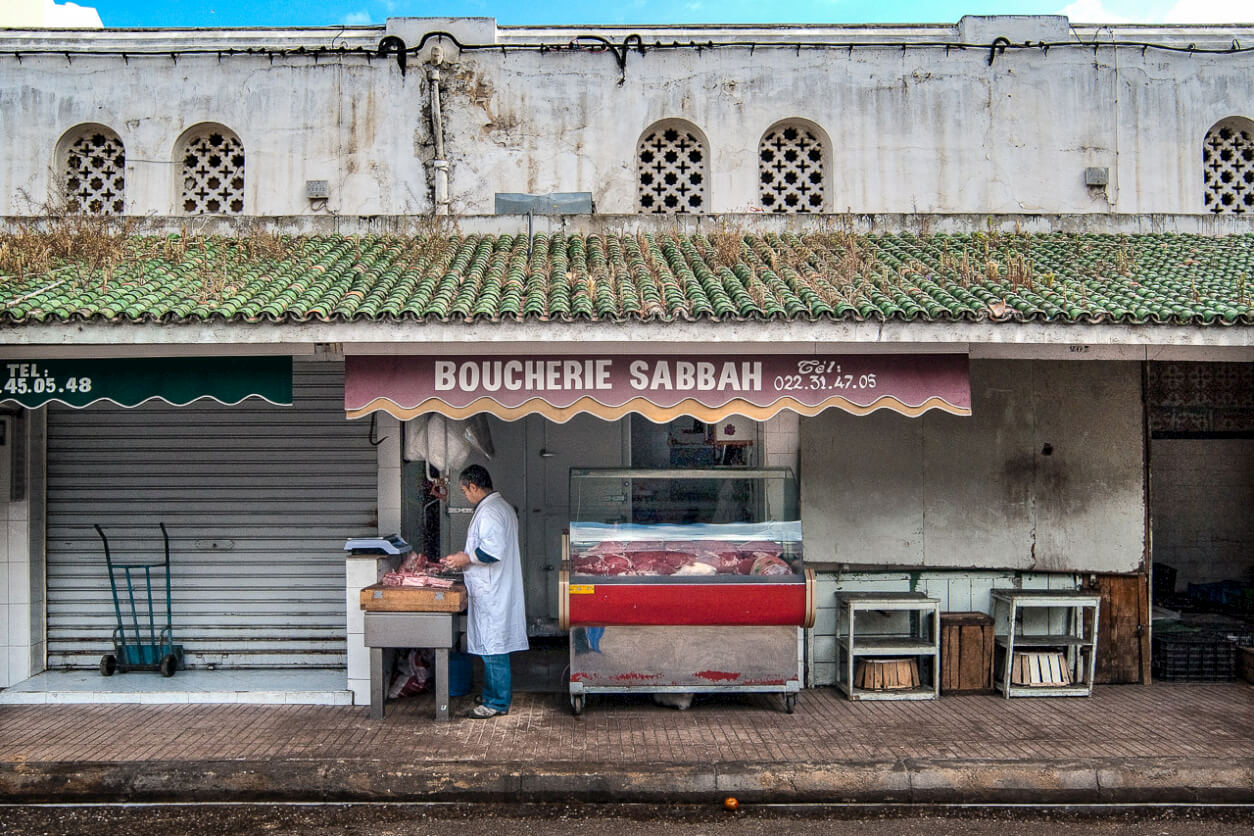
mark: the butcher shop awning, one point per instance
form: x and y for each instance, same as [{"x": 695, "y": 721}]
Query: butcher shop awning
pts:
[
  {"x": 131, "y": 381},
  {"x": 660, "y": 388}
]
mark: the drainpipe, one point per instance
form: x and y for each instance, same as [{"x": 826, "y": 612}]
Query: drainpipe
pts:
[{"x": 439, "y": 165}]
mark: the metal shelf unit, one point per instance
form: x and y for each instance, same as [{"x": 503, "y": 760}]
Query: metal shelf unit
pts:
[
  {"x": 921, "y": 641},
  {"x": 1079, "y": 644}
]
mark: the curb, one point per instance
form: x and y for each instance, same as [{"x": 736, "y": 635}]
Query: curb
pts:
[{"x": 912, "y": 781}]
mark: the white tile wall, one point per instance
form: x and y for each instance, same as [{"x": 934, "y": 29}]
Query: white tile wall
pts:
[
  {"x": 355, "y": 620},
  {"x": 389, "y": 457},
  {"x": 361, "y": 691},
  {"x": 18, "y": 664},
  {"x": 359, "y": 665},
  {"x": 359, "y": 573},
  {"x": 20, "y": 645},
  {"x": 781, "y": 440},
  {"x": 19, "y": 583},
  {"x": 363, "y": 572},
  {"x": 19, "y": 628}
]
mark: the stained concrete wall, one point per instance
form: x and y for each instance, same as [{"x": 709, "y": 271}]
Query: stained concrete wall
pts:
[
  {"x": 980, "y": 491},
  {"x": 910, "y": 128}
]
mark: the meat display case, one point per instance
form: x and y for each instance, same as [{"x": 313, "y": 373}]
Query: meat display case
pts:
[{"x": 684, "y": 581}]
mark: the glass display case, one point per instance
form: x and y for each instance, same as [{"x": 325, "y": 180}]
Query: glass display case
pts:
[{"x": 684, "y": 581}]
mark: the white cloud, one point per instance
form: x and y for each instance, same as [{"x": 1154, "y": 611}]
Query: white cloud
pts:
[
  {"x": 1210, "y": 11},
  {"x": 1184, "y": 11},
  {"x": 72, "y": 16},
  {"x": 1092, "y": 11},
  {"x": 359, "y": 18}
]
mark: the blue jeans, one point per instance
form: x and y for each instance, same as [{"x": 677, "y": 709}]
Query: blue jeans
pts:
[{"x": 497, "y": 686}]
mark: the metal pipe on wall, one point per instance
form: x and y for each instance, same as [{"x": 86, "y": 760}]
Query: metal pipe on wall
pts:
[{"x": 439, "y": 165}]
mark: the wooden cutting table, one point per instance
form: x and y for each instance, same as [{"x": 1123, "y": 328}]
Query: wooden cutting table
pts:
[{"x": 402, "y": 617}]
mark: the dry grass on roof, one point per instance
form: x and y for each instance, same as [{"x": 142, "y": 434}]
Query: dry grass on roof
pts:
[{"x": 83, "y": 267}]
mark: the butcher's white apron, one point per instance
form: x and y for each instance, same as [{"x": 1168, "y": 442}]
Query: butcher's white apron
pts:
[{"x": 497, "y": 617}]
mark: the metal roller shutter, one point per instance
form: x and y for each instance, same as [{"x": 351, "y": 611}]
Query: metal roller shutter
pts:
[{"x": 257, "y": 499}]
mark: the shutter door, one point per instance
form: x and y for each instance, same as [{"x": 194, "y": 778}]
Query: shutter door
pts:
[{"x": 257, "y": 499}]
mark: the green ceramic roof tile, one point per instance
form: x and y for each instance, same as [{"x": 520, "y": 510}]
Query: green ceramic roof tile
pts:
[{"x": 1052, "y": 278}]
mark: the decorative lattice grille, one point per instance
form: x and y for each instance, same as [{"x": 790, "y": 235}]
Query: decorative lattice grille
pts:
[
  {"x": 95, "y": 174},
  {"x": 791, "y": 170},
  {"x": 672, "y": 172},
  {"x": 1228, "y": 166},
  {"x": 213, "y": 174}
]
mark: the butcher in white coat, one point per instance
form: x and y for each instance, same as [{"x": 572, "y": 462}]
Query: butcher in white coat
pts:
[{"x": 492, "y": 566}]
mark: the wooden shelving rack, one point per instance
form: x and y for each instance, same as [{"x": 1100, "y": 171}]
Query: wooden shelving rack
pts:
[
  {"x": 1077, "y": 643},
  {"x": 920, "y": 641}
]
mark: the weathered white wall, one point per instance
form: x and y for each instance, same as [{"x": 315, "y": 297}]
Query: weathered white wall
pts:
[
  {"x": 979, "y": 492},
  {"x": 911, "y": 130},
  {"x": 351, "y": 123}
]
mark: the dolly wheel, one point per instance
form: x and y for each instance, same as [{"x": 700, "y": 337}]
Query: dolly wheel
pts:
[
  {"x": 576, "y": 703},
  {"x": 108, "y": 664},
  {"x": 790, "y": 702},
  {"x": 169, "y": 664}
]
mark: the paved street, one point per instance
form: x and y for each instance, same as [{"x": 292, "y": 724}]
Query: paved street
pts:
[{"x": 412, "y": 820}]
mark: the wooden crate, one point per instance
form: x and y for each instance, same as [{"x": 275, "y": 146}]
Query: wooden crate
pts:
[
  {"x": 966, "y": 645},
  {"x": 380, "y": 598},
  {"x": 886, "y": 674},
  {"x": 1040, "y": 669}
]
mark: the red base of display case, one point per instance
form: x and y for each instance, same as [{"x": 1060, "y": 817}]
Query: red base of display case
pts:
[{"x": 675, "y": 603}]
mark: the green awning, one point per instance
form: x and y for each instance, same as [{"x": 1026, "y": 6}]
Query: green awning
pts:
[{"x": 130, "y": 381}]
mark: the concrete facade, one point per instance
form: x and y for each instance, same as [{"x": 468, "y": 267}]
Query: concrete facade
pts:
[
  {"x": 1011, "y": 123},
  {"x": 912, "y": 119},
  {"x": 1047, "y": 474}
]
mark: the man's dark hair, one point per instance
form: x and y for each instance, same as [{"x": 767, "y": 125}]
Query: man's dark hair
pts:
[{"x": 477, "y": 475}]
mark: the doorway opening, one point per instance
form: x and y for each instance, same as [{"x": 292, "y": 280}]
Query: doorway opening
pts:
[{"x": 1201, "y": 454}]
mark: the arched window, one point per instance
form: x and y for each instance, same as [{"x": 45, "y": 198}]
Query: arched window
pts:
[
  {"x": 1228, "y": 167},
  {"x": 672, "y": 166},
  {"x": 790, "y": 169},
  {"x": 213, "y": 172},
  {"x": 93, "y": 167}
]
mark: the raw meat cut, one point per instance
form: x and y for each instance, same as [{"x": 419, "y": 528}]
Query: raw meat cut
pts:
[
  {"x": 658, "y": 562},
  {"x": 769, "y": 564}
]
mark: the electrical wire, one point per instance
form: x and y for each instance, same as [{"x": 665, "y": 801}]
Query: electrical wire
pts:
[{"x": 636, "y": 43}]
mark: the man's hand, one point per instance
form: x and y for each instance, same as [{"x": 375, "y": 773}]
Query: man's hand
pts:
[{"x": 457, "y": 560}]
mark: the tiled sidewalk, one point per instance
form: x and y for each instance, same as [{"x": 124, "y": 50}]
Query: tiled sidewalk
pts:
[{"x": 1188, "y": 739}]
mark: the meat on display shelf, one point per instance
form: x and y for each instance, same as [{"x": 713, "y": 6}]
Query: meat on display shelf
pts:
[{"x": 684, "y": 581}]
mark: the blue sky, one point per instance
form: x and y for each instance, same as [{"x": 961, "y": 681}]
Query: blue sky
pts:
[{"x": 520, "y": 12}]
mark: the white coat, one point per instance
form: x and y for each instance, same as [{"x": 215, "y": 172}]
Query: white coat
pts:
[{"x": 497, "y": 620}]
